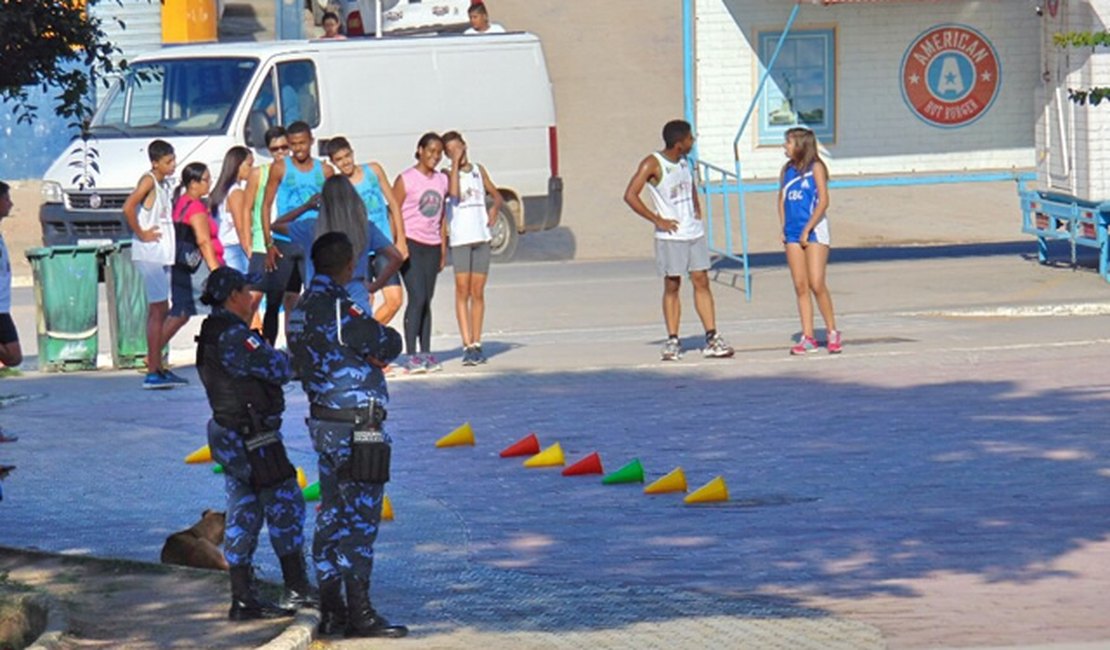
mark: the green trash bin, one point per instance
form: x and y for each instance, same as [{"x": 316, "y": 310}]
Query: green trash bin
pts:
[
  {"x": 65, "y": 306},
  {"x": 127, "y": 306}
]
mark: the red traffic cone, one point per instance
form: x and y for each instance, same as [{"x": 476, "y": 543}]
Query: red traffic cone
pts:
[
  {"x": 589, "y": 465},
  {"x": 526, "y": 446}
]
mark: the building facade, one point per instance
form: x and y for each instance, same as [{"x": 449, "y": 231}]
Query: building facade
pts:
[{"x": 889, "y": 87}]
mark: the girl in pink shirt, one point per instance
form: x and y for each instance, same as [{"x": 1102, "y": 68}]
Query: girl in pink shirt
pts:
[
  {"x": 192, "y": 223},
  {"x": 421, "y": 191}
]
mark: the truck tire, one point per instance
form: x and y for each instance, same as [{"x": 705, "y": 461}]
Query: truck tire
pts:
[{"x": 504, "y": 236}]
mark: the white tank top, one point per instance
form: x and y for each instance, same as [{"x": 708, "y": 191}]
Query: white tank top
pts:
[
  {"x": 467, "y": 219},
  {"x": 674, "y": 199},
  {"x": 160, "y": 214},
  {"x": 228, "y": 235}
]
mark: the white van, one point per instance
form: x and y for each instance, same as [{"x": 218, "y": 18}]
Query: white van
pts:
[{"x": 381, "y": 94}]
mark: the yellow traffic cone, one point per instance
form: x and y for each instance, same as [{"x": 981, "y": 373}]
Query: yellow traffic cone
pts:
[
  {"x": 673, "y": 482},
  {"x": 464, "y": 435},
  {"x": 711, "y": 492},
  {"x": 302, "y": 480},
  {"x": 202, "y": 455},
  {"x": 387, "y": 508},
  {"x": 550, "y": 457}
]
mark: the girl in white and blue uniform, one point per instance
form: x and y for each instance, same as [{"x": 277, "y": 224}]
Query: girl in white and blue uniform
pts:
[{"x": 803, "y": 201}]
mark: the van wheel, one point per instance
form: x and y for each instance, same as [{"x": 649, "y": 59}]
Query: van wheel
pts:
[{"x": 504, "y": 236}]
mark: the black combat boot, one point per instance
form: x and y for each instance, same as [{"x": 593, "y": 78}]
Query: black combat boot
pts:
[
  {"x": 298, "y": 591},
  {"x": 333, "y": 611},
  {"x": 246, "y": 605},
  {"x": 362, "y": 620}
]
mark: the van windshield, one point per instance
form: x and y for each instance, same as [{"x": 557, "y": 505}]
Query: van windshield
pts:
[{"x": 174, "y": 97}]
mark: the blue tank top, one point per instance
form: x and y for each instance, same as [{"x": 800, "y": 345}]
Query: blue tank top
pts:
[
  {"x": 370, "y": 190},
  {"x": 297, "y": 187},
  {"x": 799, "y": 199}
]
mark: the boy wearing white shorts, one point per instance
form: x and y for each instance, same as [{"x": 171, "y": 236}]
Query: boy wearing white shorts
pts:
[{"x": 149, "y": 214}]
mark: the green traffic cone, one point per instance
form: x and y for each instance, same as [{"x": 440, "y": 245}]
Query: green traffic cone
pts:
[
  {"x": 630, "y": 473},
  {"x": 217, "y": 469},
  {"x": 312, "y": 492}
]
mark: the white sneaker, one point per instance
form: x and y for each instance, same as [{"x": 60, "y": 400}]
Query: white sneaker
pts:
[
  {"x": 672, "y": 350},
  {"x": 717, "y": 348}
]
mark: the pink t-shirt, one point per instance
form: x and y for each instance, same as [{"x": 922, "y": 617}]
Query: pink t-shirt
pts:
[
  {"x": 183, "y": 214},
  {"x": 422, "y": 209}
]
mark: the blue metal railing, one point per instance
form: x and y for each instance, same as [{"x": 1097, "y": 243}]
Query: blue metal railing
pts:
[{"x": 720, "y": 186}]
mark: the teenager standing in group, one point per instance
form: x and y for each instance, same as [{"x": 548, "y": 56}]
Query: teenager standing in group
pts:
[
  {"x": 421, "y": 190},
  {"x": 228, "y": 202},
  {"x": 803, "y": 200},
  {"x": 468, "y": 232},
  {"x": 372, "y": 186},
  {"x": 294, "y": 182},
  {"x": 149, "y": 214},
  {"x": 199, "y": 251},
  {"x": 278, "y": 146},
  {"x": 342, "y": 210}
]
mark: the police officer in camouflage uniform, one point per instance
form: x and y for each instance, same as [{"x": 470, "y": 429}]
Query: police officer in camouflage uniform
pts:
[
  {"x": 338, "y": 351},
  {"x": 243, "y": 378}
]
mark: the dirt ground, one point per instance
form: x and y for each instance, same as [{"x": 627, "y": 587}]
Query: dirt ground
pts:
[{"x": 125, "y": 605}]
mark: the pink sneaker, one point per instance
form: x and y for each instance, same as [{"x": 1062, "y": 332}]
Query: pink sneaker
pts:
[
  {"x": 806, "y": 345},
  {"x": 834, "y": 342}
]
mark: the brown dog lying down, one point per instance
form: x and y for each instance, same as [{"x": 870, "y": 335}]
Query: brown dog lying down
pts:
[{"x": 198, "y": 546}]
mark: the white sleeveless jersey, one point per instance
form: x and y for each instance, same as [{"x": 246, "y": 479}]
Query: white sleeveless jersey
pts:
[
  {"x": 160, "y": 214},
  {"x": 674, "y": 199},
  {"x": 467, "y": 219},
  {"x": 227, "y": 233}
]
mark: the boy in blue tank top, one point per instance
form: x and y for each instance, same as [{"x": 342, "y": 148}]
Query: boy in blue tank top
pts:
[
  {"x": 295, "y": 182},
  {"x": 372, "y": 185}
]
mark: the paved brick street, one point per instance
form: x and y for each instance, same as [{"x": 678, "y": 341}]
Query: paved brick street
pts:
[{"x": 943, "y": 483}]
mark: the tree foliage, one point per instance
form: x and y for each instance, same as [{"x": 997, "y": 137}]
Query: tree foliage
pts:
[
  {"x": 53, "y": 45},
  {"x": 1084, "y": 96}
]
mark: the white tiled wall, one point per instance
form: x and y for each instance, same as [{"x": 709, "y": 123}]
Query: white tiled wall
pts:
[
  {"x": 877, "y": 133},
  {"x": 1083, "y": 136}
]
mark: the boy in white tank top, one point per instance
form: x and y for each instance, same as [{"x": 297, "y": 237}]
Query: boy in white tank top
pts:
[
  {"x": 680, "y": 244},
  {"x": 149, "y": 214}
]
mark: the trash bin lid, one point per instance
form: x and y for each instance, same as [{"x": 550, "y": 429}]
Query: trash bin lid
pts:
[{"x": 49, "y": 251}]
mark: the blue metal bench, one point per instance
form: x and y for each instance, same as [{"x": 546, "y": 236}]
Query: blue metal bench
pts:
[{"x": 1053, "y": 216}]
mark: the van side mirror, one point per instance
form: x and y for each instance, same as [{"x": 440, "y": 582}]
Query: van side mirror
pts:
[{"x": 255, "y": 135}]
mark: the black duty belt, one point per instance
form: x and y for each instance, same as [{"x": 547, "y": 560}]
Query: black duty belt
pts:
[{"x": 350, "y": 416}]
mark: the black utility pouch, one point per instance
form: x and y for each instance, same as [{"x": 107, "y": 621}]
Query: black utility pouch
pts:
[
  {"x": 370, "y": 451},
  {"x": 270, "y": 465}
]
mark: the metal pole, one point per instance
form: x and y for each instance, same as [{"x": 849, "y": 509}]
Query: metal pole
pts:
[
  {"x": 688, "y": 61},
  {"x": 763, "y": 81},
  {"x": 378, "y": 18}
]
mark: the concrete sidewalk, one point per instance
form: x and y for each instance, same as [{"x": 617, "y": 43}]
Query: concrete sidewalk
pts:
[{"x": 942, "y": 484}]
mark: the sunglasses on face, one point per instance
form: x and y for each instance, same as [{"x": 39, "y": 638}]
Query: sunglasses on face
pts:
[{"x": 284, "y": 147}]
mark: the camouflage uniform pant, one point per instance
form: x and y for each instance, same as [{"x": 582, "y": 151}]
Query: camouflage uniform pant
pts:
[
  {"x": 347, "y": 524},
  {"x": 282, "y": 506}
]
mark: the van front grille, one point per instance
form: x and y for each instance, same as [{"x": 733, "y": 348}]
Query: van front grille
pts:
[
  {"x": 99, "y": 229},
  {"x": 84, "y": 200}
]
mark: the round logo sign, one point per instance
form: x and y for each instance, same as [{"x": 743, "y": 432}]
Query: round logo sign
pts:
[{"x": 950, "y": 76}]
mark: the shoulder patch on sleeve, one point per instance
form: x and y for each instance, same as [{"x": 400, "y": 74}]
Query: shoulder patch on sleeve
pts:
[
  {"x": 252, "y": 342},
  {"x": 355, "y": 310}
]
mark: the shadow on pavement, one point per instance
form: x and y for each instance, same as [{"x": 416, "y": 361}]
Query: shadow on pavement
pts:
[
  {"x": 1059, "y": 252},
  {"x": 842, "y": 489}
]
